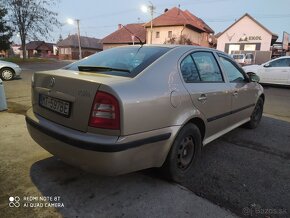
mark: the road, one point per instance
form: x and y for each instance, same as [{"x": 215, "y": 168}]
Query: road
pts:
[{"x": 245, "y": 171}]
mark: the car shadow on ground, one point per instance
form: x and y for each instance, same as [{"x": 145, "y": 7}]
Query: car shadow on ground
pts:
[
  {"x": 245, "y": 171},
  {"x": 85, "y": 194},
  {"x": 140, "y": 194}
]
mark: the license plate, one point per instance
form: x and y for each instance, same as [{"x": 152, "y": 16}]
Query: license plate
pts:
[{"x": 55, "y": 105}]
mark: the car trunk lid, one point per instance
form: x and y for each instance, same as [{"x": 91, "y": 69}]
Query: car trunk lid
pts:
[{"x": 66, "y": 97}]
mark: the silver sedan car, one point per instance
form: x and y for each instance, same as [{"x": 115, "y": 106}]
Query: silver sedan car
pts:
[
  {"x": 9, "y": 71},
  {"x": 136, "y": 107}
]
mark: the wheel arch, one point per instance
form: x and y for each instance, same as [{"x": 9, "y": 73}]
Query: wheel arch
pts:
[
  {"x": 9, "y": 68},
  {"x": 262, "y": 96},
  {"x": 200, "y": 125}
]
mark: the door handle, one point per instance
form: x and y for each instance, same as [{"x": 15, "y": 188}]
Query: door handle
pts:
[
  {"x": 202, "y": 98},
  {"x": 235, "y": 93}
]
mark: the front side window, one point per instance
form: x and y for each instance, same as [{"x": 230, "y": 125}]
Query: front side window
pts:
[
  {"x": 279, "y": 63},
  {"x": 169, "y": 34},
  {"x": 207, "y": 67},
  {"x": 234, "y": 74}
]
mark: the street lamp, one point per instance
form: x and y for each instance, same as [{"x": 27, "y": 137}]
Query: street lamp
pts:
[
  {"x": 71, "y": 22},
  {"x": 150, "y": 8}
]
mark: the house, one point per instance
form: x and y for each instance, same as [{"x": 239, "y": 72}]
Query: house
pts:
[
  {"x": 125, "y": 36},
  {"x": 68, "y": 48},
  {"x": 16, "y": 49},
  {"x": 246, "y": 34},
  {"x": 176, "y": 26},
  {"x": 39, "y": 49}
]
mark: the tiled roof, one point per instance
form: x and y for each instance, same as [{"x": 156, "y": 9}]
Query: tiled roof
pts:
[
  {"x": 86, "y": 42},
  {"x": 178, "y": 17},
  {"x": 124, "y": 36},
  {"x": 39, "y": 45}
]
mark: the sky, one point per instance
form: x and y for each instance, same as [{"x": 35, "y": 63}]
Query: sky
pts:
[{"x": 100, "y": 18}]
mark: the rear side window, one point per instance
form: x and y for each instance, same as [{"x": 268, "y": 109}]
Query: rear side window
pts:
[
  {"x": 234, "y": 74},
  {"x": 207, "y": 67},
  {"x": 189, "y": 70},
  {"x": 201, "y": 67}
]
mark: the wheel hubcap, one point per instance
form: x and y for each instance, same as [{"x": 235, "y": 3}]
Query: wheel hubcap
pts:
[
  {"x": 7, "y": 74},
  {"x": 185, "y": 153}
]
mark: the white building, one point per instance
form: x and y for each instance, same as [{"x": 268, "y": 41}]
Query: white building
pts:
[{"x": 246, "y": 34}]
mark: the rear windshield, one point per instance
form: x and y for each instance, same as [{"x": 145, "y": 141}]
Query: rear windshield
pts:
[{"x": 131, "y": 60}]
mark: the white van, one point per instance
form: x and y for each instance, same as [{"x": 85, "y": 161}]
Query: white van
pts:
[{"x": 243, "y": 59}]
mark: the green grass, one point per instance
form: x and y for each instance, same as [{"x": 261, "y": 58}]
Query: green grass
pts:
[{"x": 18, "y": 60}]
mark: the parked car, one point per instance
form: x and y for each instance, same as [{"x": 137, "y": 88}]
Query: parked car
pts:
[
  {"x": 243, "y": 59},
  {"x": 136, "y": 107},
  {"x": 275, "y": 71},
  {"x": 9, "y": 71}
]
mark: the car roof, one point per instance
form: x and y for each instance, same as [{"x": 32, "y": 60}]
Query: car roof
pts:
[
  {"x": 282, "y": 57},
  {"x": 174, "y": 46}
]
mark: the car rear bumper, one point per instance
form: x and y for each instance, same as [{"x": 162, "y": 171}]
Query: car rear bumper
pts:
[{"x": 104, "y": 155}]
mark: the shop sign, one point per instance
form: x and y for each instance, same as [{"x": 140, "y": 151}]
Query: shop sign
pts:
[{"x": 250, "y": 38}]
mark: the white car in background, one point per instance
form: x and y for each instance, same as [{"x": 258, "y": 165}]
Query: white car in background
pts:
[
  {"x": 276, "y": 71},
  {"x": 9, "y": 70},
  {"x": 243, "y": 59}
]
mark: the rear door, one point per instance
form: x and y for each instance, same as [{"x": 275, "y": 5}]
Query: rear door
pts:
[
  {"x": 209, "y": 92},
  {"x": 243, "y": 92}
]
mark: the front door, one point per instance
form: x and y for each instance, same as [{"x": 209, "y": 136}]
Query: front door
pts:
[{"x": 243, "y": 92}]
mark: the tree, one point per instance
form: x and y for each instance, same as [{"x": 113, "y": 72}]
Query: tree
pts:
[
  {"x": 5, "y": 31},
  {"x": 33, "y": 19},
  {"x": 181, "y": 40},
  {"x": 59, "y": 38}
]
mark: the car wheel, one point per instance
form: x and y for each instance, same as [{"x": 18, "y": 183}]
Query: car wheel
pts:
[
  {"x": 6, "y": 74},
  {"x": 256, "y": 115},
  {"x": 183, "y": 153}
]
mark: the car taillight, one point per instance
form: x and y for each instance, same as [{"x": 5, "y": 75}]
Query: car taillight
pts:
[{"x": 105, "y": 112}]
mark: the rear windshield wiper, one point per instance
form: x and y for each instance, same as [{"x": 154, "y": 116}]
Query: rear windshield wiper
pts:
[{"x": 101, "y": 68}]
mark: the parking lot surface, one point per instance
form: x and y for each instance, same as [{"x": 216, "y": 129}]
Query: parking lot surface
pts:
[{"x": 244, "y": 173}]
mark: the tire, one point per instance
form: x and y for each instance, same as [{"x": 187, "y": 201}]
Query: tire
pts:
[
  {"x": 183, "y": 154},
  {"x": 256, "y": 115},
  {"x": 6, "y": 74}
]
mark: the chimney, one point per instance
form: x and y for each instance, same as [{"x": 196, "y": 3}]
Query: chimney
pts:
[
  {"x": 166, "y": 9},
  {"x": 119, "y": 26}
]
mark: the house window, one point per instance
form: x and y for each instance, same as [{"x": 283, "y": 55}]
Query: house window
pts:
[
  {"x": 169, "y": 34},
  {"x": 157, "y": 34}
]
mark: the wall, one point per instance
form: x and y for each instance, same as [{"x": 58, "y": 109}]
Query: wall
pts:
[
  {"x": 245, "y": 27},
  {"x": 163, "y": 34},
  {"x": 195, "y": 37}
]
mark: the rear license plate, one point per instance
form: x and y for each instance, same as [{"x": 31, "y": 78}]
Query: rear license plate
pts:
[{"x": 55, "y": 105}]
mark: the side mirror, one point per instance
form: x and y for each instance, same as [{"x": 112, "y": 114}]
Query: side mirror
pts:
[
  {"x": 253, "y": 77},
  {"x": 267, "y": 65}
]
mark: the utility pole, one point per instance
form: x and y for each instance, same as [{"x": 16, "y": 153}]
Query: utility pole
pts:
[
  {"x": 151, "y": 8},
  {"x": 79, "y": 39}
]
